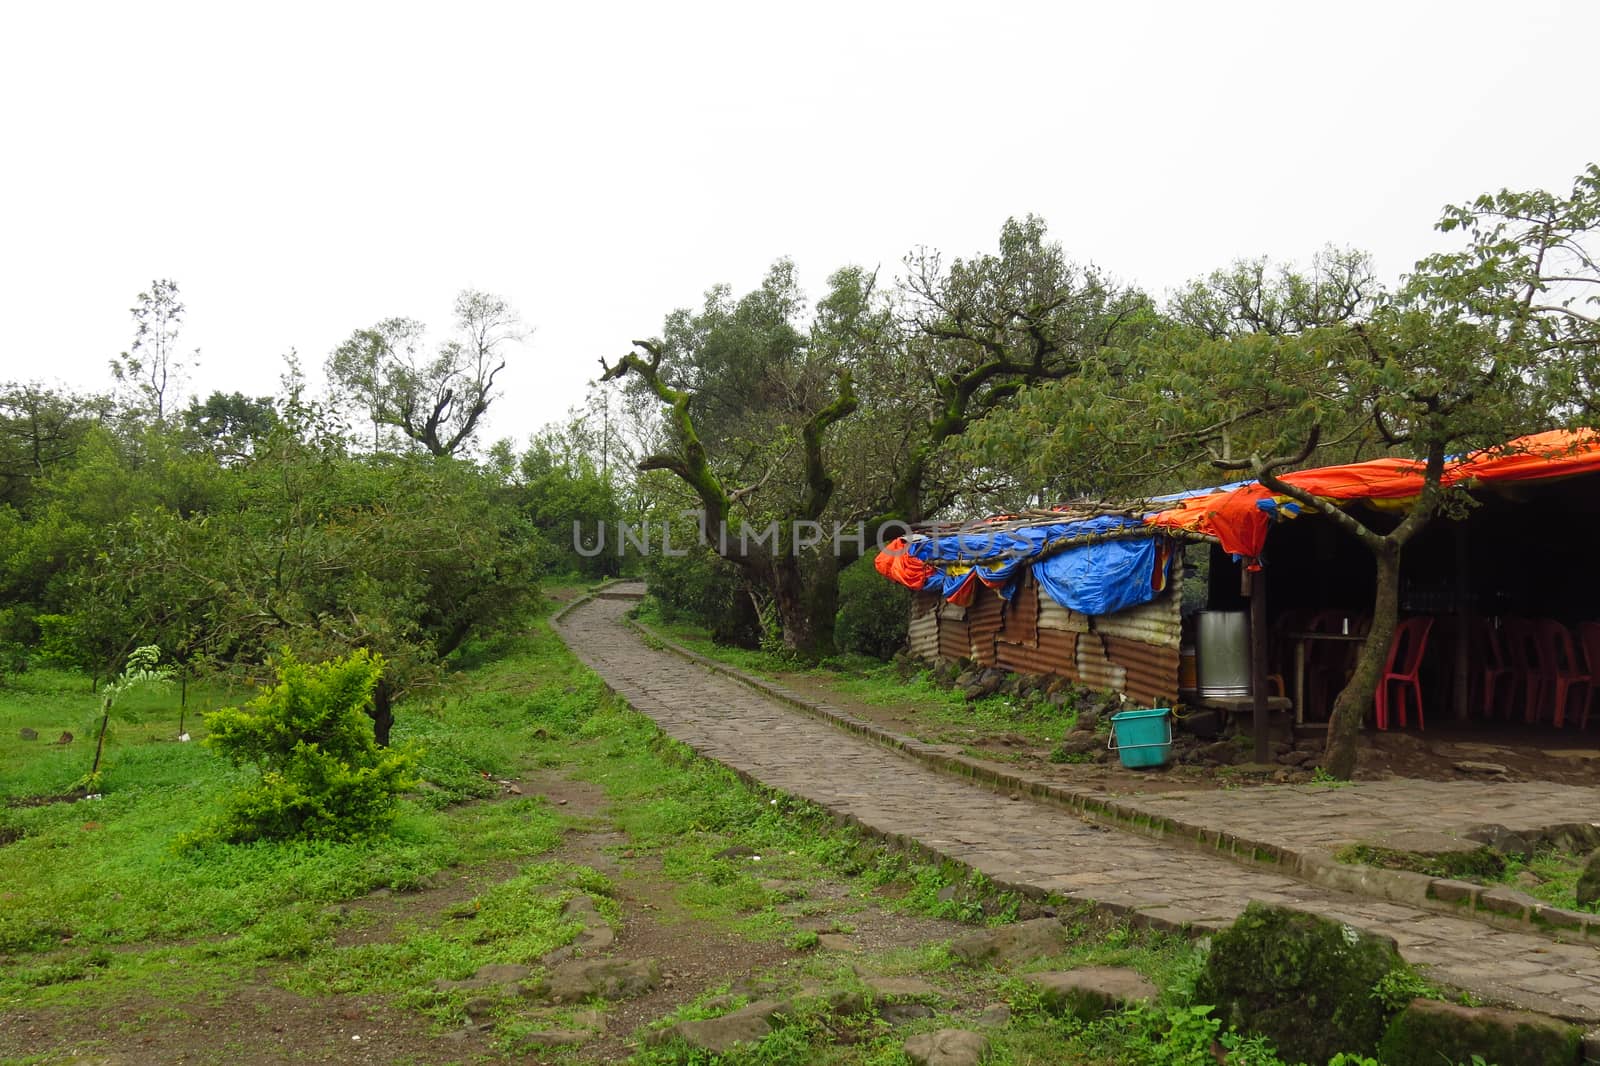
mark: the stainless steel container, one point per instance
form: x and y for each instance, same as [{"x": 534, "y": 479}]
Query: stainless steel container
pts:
[{"x": 1223, "y": 639}]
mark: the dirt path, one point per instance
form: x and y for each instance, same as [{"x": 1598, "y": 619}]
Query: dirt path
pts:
[{"x": 1035, "y": 848}]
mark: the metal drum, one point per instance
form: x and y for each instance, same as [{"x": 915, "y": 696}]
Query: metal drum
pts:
[{"x": 1224, "y": 653}]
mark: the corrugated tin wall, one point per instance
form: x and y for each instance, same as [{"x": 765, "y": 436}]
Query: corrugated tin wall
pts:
[
  {"x": 922, "y": 635},
  {"x": 1134, "y": 652},
  {"x": 1020, "y": 624},
  {"x": 983, "y": 623},
  {"x": 1054, "y": 616}
]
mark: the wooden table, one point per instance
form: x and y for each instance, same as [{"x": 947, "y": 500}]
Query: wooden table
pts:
[{"x": 1301, "y": 640}]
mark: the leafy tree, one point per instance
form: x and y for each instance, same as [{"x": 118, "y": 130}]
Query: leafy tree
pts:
[
  {"x": 745, "y": 369},
  {"x": 152, "y": 370},
  {"x": 873, "y": 613},
  {"x": 850, "y": 417},
  {"x": 1144, "y": 416},
  {"x": 435, "y": 399},
  {"x": 561, "y": 491},
  {"x": 322, "y": 774},
  {"x": 987, "y": 330},
  {"x": 231, "y": 426},
  {"x": 301, "y": 545},
  {"x": 40, "y": 429}
]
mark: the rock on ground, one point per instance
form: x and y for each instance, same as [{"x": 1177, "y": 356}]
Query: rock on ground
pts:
[
  {"x": 904, "y": 1013},
  {"x": 491, "y": 976},
  {"x": 995, "y": 1014},
  {"x": 597, "y": 934},
  {"x": 1429, "y": 1032},
  {"x": 581, "y": 979},
  {"x": 1302, "y": 980},
  {"x": 1021, "y": 942},
  {"x": 947, "y": 1047},
  {"x": 1501, "y": 839},
  {"x": 748, "y": 1024},
  {"x": 1090, "y": 991}
]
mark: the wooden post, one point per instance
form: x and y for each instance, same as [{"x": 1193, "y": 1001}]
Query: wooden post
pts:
[
  {"x": 1255, "y": 586},
  {"x": 1463, "y": 650}
]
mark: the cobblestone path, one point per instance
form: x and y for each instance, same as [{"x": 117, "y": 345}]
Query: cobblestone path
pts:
[
  {"x": 1035, "y": 847},
  {"x": 1300, "y": 817}
]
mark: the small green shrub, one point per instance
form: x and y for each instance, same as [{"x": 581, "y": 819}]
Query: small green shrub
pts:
[
  {"x": 873, "y": 613},
  {"x": 144, "y": 670},
  {"x": 323, "y": 775}
]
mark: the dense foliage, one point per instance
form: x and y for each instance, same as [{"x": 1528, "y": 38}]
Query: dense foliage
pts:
[{"x": 322, "y": 775}]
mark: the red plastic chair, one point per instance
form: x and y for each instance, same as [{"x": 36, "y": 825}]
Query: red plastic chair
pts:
[
  {"x": 1564, "y": 669},
  {"x": 1496, "y": 666},
  {"x": 1589, "y": 640},
  {"x": 1525, "y": 652},
  {"x": 1410, "y": 643}
]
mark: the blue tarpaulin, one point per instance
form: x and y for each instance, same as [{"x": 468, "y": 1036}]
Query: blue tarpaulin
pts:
[{"x": 1099, "y": 578}]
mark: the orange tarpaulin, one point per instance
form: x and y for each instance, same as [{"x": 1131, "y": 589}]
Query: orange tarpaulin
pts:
[
  {"x": 1558, "y": 453},
  {"x": 896, "y": 564},
  {"x": 1239, "y": 518}
]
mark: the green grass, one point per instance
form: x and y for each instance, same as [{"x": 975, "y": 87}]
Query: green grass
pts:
[
  {"x": 880, "y": 684},
  {"x": 1479, "y": 864},
  {"x": 1558, "y": 872},
  {"x": 514, "y": 921},
  {"x": 99, "y": 904},
  {"x": 84, "y": 877},
  {"x": 1176, "y": 1031}
]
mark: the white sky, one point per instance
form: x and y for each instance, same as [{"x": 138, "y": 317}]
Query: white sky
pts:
[{"x": 305, "y": 169}]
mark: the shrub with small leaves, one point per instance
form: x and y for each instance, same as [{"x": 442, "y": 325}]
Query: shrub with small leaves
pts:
[{"x": 323, "y": 776}]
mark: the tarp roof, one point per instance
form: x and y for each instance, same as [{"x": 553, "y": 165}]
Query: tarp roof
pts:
[
  {"x": 1098, "y": 562},
  {"x": 1239, "y": 515}
]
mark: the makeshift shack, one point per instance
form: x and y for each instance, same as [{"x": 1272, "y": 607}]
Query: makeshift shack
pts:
[{"x": 1092, "y": 593}]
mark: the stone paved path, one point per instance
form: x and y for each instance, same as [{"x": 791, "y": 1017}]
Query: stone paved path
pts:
[
  {"x": 1301, "y": 817},
  {"x": 1036, "y": 847}
]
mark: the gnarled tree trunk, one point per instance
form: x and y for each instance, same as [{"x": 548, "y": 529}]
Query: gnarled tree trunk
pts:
[{"x": 1350, "y": 707}]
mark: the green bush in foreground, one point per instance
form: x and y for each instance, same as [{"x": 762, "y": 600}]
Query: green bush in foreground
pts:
[{"x": 323, "y": 776}]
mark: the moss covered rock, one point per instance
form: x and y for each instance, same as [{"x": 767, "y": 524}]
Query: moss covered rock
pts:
[
  {"x": 1090, "y": 991},
  {"x": 1429, "y": 1032},
  {"x": 1588, "y": 891},
  {"x": 1302, "y": 980}
]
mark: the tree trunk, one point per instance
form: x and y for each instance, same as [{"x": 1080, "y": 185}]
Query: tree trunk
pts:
[
  {"x": 806, "y": 608},
  {"x": 100, "y": 741},
  {"x": 822, "y": 603},
  {"x": 382, "y": 712},
  {"x": 1355, "y": 700}
]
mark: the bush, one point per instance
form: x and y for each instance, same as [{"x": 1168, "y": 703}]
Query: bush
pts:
[
  {"x": 323, "y": 775},
  {"x": 873, "y": 612},
  {"x": 703, "y": 589}
]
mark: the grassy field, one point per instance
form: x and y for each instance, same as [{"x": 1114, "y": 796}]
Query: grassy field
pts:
[{"x": 114, "y": 935}]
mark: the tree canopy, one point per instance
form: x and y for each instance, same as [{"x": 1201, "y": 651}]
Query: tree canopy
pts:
[{"x": 434, "y": 397}]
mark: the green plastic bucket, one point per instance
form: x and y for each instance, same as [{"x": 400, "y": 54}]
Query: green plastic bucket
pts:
[{"x": 1142, "y": 738}]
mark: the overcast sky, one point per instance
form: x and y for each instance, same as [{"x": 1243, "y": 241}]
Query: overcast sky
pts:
[{"x": 303, "y": 170}]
